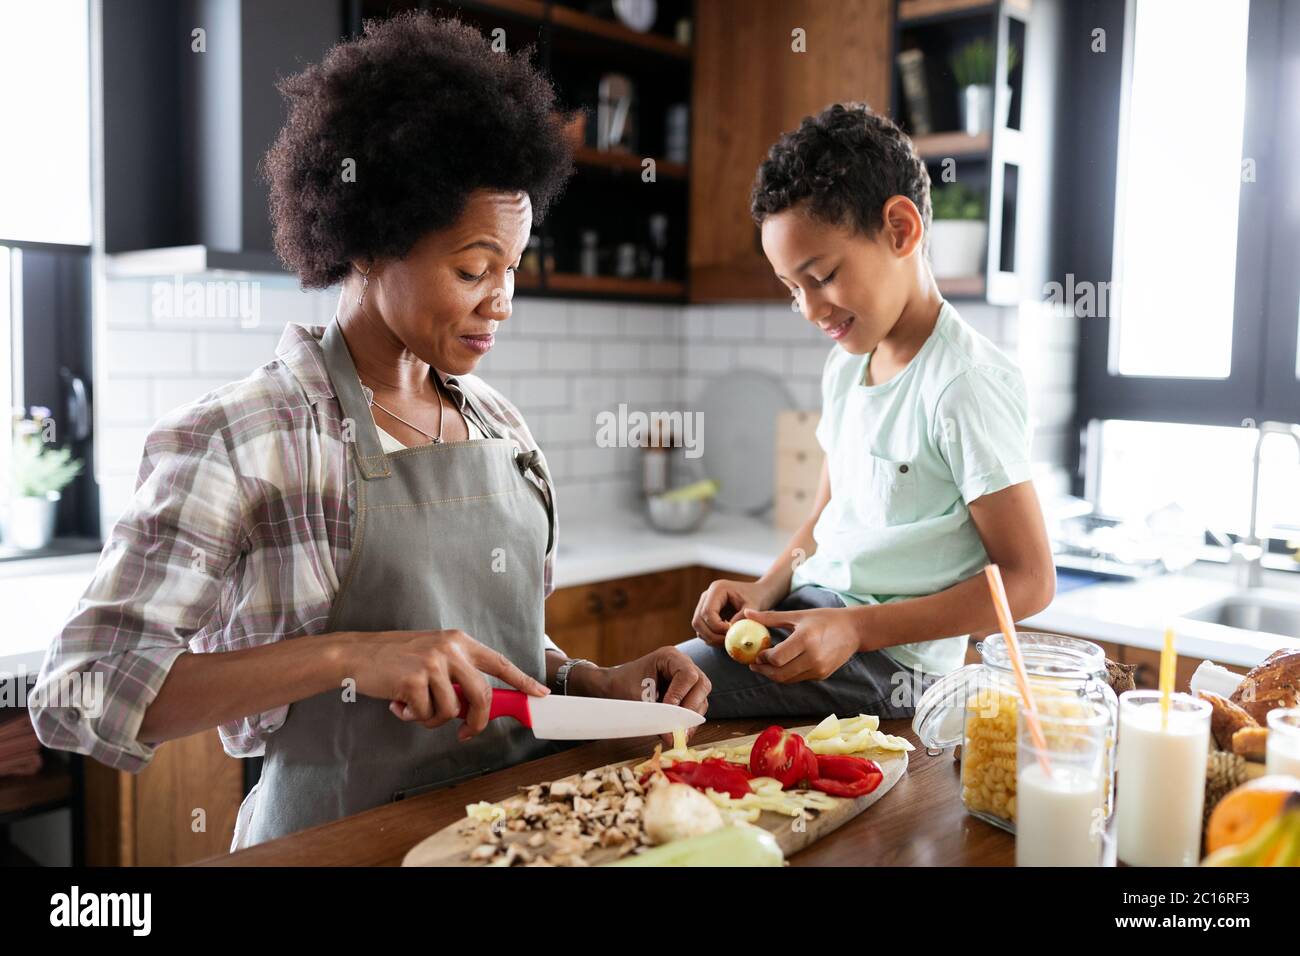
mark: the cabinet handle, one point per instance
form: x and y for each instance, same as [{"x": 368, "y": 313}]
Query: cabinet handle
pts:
[
  {"x": 801, "y": 456},
  {"x": 619, "y": 600},
  {"x": 594, "y": 604}
]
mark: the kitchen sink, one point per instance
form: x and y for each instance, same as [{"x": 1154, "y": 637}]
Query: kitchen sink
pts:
[{"x": 1254, "y": 611}]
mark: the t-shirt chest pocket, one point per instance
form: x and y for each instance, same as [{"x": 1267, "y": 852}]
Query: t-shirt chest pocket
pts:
[{"x": 887, "y": 491}]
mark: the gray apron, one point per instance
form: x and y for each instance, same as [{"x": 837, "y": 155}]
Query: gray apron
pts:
[{"x": 445, "y": 536}]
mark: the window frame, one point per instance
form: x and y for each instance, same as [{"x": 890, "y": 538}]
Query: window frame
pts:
[{"x": 1263, "y": 336}]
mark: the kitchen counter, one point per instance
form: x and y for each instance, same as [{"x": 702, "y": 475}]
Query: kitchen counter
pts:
[
  {"x": 920, "y": 822},
  {"x": 601, "y": 545}
]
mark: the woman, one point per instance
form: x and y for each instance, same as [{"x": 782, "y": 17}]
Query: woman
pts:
[{"x": 362, "y": 493}]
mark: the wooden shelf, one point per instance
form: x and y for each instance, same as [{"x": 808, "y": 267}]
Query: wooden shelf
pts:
[
  {"x": 50, "y": 786},
  {"x": 626, "y": 162},
  {"x": 532, "y": 9},
  {"x": 954, "y": 144},
  {"x": 911, "y": 10},
  {"x": 962, "y": 287},
  {"x": 580, "y": 22},
  {"x": 613, "y": 285}
]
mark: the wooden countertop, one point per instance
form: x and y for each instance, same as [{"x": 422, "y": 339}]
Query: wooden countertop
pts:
[{"x": 920, "y": 822}]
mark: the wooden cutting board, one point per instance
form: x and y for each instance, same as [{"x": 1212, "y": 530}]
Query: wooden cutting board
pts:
[{"x": 451, "y": 845}]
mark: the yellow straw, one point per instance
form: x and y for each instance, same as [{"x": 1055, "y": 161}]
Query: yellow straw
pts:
[
  {"x": 1003, "y": 608},
  {"x": 1168, "y": 664}
]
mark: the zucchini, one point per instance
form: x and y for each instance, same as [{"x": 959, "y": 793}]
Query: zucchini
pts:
[{"x": 739, "y": 845}]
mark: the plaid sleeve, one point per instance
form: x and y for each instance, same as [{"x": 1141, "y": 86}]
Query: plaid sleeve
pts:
[{"x": 156, "y": 585}]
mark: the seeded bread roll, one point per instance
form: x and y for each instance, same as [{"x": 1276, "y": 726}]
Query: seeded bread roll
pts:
[{"x": 1274, "y": 683}]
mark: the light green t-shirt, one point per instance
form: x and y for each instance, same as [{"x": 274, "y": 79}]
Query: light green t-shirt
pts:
[{"x": 906, "y": 458}]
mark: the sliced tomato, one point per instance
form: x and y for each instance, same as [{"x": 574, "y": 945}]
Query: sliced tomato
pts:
[
  {"x": 712, "y": 773},
  {"x": 844, "y": 776},
  {"x": 784, "y": 756}
]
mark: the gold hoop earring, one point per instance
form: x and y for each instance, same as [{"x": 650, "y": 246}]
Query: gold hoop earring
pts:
[{"x": 365, "y": 282}]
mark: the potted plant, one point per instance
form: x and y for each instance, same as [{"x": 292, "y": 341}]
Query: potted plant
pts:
[
  {"x": 972, "y": 67},
  {"x": 958, "y": 232},
  {"x": 38, "y": 473}
]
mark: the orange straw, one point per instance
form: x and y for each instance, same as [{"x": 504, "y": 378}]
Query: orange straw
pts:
[{"x": 1003, "y": 607}]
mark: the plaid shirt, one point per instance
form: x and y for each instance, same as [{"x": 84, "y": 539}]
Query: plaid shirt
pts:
[{"x": 238, "y": 535}]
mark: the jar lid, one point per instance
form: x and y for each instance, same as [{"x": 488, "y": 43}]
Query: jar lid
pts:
[{"x": 941, "y": 711}]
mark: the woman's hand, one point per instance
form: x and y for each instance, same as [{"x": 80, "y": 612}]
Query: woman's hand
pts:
[
  {"x": 414, "y": 670},
  {"x": 665, "y": 675},
  {"x": 820, "y": 641},
  {"x": 723, "y": 602}
]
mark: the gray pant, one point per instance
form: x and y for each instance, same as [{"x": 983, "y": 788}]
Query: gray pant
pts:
[{"x": 867, "y": 683}]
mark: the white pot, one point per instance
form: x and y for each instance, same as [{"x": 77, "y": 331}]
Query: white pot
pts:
[
  {"x": 977, "y": 108},
  {"x": 31, "y": 521},
  {"x": 957, "y": 247}
]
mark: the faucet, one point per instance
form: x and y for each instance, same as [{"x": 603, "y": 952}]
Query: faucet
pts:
[{"x": 1249, "y": 554}]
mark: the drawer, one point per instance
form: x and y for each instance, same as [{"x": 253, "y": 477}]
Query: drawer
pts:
[
  {"x": 643, "y": 593},
  {"x": 793, "y": 505},
  {"x": 573, "y": 607},
  {"x": 797, "y": 431},
  {"x": 799, "y": 469}
]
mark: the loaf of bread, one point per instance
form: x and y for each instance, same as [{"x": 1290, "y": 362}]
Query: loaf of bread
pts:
[
  {"x": 1226, "y": 718},
  {"x": 1251, "y": 743},
  {"x": 1272, "y": 684},
  {"x": 1120, "y": 676}
]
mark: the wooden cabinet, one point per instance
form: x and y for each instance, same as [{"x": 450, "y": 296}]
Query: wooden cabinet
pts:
[
  {"x": 611, "y": 622},
  {"x": 180, "y": 808},
  {"x": 750, "y": 85},
  {"x": 1147, "y": 675}
]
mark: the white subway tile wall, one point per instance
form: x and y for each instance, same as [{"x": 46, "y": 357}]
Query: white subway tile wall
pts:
[{"x": 563, "y": 362}]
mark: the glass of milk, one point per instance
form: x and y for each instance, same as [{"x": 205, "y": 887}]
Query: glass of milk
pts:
[
  {"x": 1283, "y": 753},
  {"x": 1160, "y": 785},
  {"x": 1061, "y": 815}
]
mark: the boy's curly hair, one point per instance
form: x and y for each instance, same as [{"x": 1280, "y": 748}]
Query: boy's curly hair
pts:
[
  {"x": 429, "y": 112},
  {"x": 846, "y": 161}
]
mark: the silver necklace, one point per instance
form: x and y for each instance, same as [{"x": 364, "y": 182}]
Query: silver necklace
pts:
[{"x": 435, "y": 439}]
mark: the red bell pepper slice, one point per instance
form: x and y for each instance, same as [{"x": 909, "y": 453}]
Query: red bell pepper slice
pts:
[
  {"x": 712, "y": 773},
  {"x": 784, "y": 756},
  {"x": 844, "y": 776}
]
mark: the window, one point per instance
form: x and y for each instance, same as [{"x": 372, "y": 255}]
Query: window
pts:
[
  {"x": 1176, "y": 198},
  {"x": 46, "y": 229},
  {"x": 45, "y": 76},
  {"x": 1200, "y": 340}
]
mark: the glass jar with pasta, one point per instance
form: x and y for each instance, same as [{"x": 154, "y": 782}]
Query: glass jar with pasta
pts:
[{"x": 977, "y": 707}]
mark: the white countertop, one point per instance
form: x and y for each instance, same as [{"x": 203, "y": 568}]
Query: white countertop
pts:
[{"x": 602, "y": 545}]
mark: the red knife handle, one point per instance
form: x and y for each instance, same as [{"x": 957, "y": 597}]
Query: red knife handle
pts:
[{"x": 505, "y": 703}]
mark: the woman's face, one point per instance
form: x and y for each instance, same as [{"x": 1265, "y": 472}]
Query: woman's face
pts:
[
  {"x": 851, "y": 286},
  {"x": 444, "y": 299}
]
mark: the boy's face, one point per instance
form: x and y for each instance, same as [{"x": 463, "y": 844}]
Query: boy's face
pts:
[{"x": 852, "y": 287}]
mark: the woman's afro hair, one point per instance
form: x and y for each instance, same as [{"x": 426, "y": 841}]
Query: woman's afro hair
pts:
[{"x": 427, "y": 112}]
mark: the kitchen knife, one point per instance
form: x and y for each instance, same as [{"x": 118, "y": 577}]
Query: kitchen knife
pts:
[{"x": 559, "y": 717}]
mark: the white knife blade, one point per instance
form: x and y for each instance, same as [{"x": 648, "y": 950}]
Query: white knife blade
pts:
[{"x": 557, "y": 717}]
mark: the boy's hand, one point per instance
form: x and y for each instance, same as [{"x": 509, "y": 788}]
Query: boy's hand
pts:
[
  {"x": 722, "y": 603},
  {"x": 820, "y": 641}
]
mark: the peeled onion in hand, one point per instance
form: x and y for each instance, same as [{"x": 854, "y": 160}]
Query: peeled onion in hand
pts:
[{"x": 747, "y": 639}]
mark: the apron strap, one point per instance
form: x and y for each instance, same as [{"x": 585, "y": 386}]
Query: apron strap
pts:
[{"x": 358, "y": 423}]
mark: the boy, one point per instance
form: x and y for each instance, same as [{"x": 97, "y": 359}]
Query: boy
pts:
[{"x": 925, "y": 427}]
